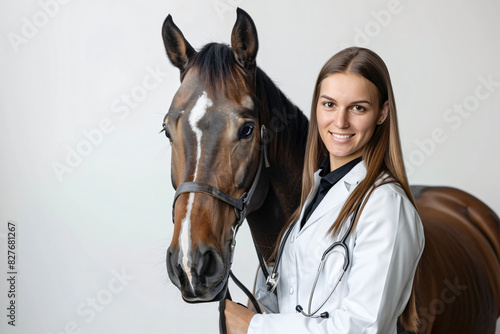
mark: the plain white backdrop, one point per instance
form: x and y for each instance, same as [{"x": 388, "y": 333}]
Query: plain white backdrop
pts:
[{"x": 86, "y": 176}]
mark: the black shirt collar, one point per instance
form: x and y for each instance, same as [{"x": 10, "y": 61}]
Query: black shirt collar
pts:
[
  {"x": 328, "y": 179},
  {"x": 335, "y": 175}
]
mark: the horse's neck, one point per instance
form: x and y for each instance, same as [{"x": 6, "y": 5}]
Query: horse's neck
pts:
[
  {"x": 281, "y": 200},
  {"x": 288, "y": 134}
]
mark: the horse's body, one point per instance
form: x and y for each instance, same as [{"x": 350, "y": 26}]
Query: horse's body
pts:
[
  {"x": 458, "y": 278},
  {"x": 223, "y": 97}
]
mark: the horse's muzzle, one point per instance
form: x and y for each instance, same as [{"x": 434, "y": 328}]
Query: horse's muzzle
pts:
[{"x": 201, "y": 275}]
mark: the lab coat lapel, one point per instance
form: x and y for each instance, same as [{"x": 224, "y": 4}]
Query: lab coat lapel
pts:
[{"x": 337, "y": 195}]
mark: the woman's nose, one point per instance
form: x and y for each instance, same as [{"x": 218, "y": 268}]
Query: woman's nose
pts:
[{"x": 341, "y": 121}]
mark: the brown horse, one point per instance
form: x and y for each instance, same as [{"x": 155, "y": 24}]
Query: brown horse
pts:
[{"x": 216, "y": 125}]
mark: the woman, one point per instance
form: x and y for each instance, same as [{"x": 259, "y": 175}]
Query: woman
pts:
[{"x": 353, "y": 163}]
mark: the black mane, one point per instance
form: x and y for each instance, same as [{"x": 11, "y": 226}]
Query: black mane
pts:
[{"x": 287, "y": 124}]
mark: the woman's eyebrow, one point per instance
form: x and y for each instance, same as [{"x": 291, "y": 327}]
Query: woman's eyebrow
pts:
[
  {"x": 361, "y": 101},
  {"x": 326, "y": 97}
]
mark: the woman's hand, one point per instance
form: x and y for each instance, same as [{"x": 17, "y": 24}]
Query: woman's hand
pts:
[{"x": 237, "y": 318}]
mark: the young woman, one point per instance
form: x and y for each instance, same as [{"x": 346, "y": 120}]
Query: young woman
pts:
[{"x": 356, "y": 213}]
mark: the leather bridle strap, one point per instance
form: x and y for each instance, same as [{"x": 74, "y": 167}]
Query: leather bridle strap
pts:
[
  {"x": 222, "y": 315},
  {"x": 189, "y": 187},
  {"x": 222, "y": 303}
]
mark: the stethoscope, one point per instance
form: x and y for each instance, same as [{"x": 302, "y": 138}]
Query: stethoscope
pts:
[{"x": 273, "y": 278}]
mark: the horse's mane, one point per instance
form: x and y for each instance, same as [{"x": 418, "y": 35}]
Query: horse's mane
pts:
[{"x": 287, "y": 125}]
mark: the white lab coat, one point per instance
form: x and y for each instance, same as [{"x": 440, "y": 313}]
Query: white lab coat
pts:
[{"x": 384, "y": 250}]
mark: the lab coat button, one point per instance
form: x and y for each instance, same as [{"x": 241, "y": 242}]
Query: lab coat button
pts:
[{"x": 292, "y": 290}]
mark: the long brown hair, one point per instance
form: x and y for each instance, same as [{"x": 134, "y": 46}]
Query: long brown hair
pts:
[{"x": 382, "y": 154}]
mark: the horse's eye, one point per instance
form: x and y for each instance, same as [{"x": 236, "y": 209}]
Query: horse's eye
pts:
[
  {"x": 167, "y": 134},
  {"x": 246, "y": 131}
]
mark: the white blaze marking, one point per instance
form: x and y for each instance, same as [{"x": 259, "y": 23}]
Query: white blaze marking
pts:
[
  {"x": 196, "y": 114},
  {"x": 185, "y": 241},
  {"x": 247, "y": 102}
]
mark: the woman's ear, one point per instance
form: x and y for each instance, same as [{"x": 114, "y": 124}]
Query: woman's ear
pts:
[{"x": 384, "y": 112}]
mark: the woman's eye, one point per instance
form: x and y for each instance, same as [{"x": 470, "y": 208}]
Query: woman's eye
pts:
[
  {"x": 246, "y": 131},
  {"x": 329, "y": 104},
  {"x": 358, "y": 108}
]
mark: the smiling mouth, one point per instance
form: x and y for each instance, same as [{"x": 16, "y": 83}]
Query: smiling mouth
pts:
[{"x": 341, "y": 136}]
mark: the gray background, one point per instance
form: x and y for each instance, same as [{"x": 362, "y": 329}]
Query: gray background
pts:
[{"x": 74, "y": 66}]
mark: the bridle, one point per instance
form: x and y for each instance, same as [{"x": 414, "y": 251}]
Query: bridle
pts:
[{"x": 240, "y": 206}]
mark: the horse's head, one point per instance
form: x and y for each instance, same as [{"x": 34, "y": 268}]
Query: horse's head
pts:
[{"x": 214, "y": 129}]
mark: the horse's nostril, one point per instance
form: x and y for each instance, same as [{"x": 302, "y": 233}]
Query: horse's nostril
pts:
[
  {"x": 173, "y": 268},
  {"x": 204, "y": 264},
  {"x": 171, "y": 256},
  {"x": 207, "y": 265}
]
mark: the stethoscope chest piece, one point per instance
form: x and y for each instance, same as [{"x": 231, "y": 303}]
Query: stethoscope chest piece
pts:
[{"x": 272, "y": 282}]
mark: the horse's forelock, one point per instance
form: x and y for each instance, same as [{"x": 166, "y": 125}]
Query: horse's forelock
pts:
[{"x": 220, "y": 72}]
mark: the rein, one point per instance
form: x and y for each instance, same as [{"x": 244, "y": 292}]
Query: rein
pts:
[{"x": 240, "y": 206}]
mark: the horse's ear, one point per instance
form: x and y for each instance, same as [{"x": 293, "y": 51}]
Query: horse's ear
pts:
[
  {"x": 179, "y": 51},
  {"x": 244, "y": 40}
]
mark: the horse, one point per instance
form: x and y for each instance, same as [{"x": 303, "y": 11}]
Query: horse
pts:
[
  {"x": 238, "y": 146},
  {"x": 213, "y": 126}
]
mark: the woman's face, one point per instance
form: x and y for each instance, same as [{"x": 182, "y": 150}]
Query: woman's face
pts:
[{"x": 347, "y": 114}]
